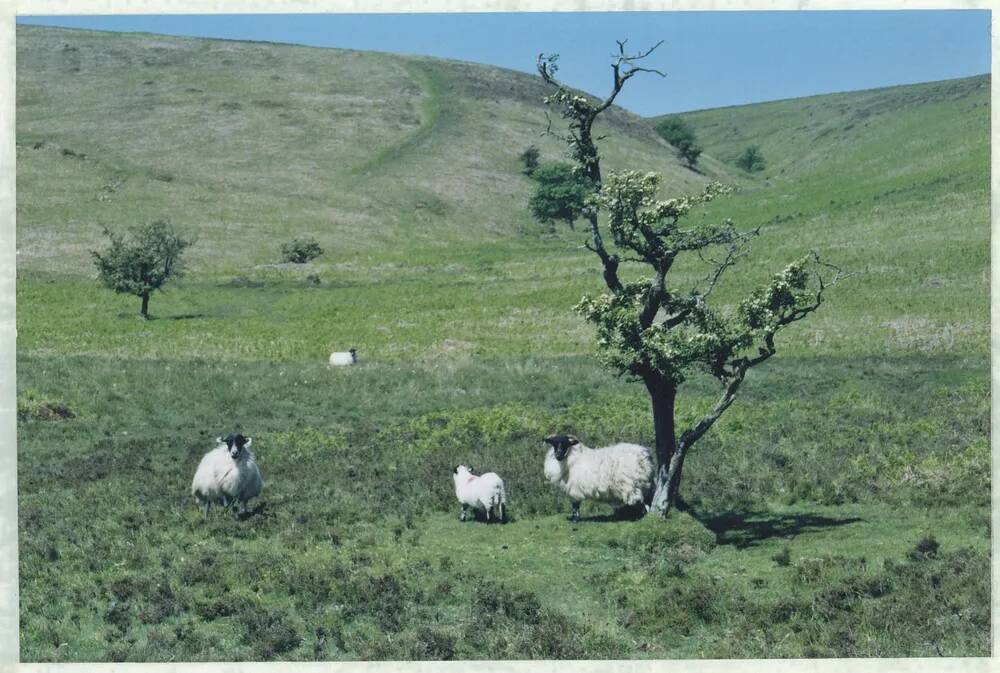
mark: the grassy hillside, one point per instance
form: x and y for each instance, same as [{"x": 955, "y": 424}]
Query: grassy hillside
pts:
[
  {"x": 803, "y": 136},
  {"x": 250, "y": 143},
  {"x": 813, "y": 499}
]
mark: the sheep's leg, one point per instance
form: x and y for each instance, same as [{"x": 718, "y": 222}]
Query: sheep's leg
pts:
[
  {"x": 204, "y": 505},
  {"x": 465, "y": 510},
  {"x": 575, "y": 516}
]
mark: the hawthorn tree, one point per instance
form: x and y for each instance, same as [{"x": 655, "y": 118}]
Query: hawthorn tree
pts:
[
  {"x": 529, "y": 157},
  {"x": 652, "y": 329},
  {"x": 678, "y": 133},
  {"x": 559, "y": 194},
  {"x": 752, "y": 159},
  {"x": 142, "y": 262}
]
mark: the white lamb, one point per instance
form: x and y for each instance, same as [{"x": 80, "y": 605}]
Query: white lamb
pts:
[
  {"x": 620, "y": 474},
  {"x": 227, "y": 475},
  {"x": 483, "y": 492},
  {"x": 344, "y": 359}
]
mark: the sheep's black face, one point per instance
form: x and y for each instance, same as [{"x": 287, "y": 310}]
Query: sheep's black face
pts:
[
  {"x": 236, "y": 443},
  {"x": 561, "y": 444}
]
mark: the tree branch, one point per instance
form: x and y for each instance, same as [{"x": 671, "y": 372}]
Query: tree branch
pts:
[
  {"x": 610, "y": 262},
  {"x": 653, "y": 296},
  {"x": 620, "y": 77},
  {"x": 694, "y": 434},
  {"x": 741, "y": 366},
  {"x": 740, "y": 249}
]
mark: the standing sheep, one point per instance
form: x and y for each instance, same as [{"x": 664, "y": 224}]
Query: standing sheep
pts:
[
  {"x": 227, "y": 475},
  {"x": 485, "y": 492},
  {"x": 620, "y": 474}
]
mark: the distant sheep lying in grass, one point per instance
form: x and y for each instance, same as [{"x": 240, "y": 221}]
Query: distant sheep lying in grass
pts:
[
  {"x": 227, "y": 475},
  {"x": 484, "y": 492},
  {"x": 620, "y": 474},
  {"x": 343, "y": 359}
]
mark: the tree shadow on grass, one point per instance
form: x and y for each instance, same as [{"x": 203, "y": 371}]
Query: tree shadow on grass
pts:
[
  {"x": 152, "y": 318},
  {"x": 186, "y": 316},
  {"x": 747, "y": 528}
]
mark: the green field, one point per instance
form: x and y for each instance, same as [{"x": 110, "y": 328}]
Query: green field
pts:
[{"x": 867, "y": 434}]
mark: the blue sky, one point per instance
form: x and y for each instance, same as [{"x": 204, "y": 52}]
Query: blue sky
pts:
[{"x": 712, "y": 59}]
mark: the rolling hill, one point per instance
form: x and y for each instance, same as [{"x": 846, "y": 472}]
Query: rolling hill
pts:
[{"x": 247, "y": 140}]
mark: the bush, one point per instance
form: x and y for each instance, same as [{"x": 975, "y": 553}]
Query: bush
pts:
[
  {"x": 752, "y": 159},
  {"x": 926, "y": 548},
  {"x": 560, "y": 194},
  {"x": 529, "y": 158},
  {"x": 31, "y": 405},
  {"x": 301, "y": 250},
  {"x": 677, "y": 132}
]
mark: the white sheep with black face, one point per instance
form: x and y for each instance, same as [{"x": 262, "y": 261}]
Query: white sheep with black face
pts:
[
  {"x": 227, "y": 475},
  {"x": 620, "y": 475},
  {"x": 344, "y": 358},
  {"x": 484, "y": 492}
]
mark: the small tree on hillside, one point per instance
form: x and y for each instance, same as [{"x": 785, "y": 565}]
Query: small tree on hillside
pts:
[
  {"x": 560, "y": 194},
  {"x": 301, "y": 250},
  {"x": 658, "y": 331},
  {"x": 143, "y": 261},
  {"x": 752, "y": 159},
  {"x": 529, "y": 158},
  {"x": 678, "y": 133}
]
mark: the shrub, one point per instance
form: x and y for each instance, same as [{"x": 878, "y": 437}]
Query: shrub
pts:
[
  {"x": 678, "y": 133},
  {"x": 301, "y": 250},
  {"x": 752, "y": 159},
  {"x": 32, "y": 405},
  {"x": 926, "y": 548},
  {"x": 529, "y": 158},
  {"x": 560, "y": 194}
]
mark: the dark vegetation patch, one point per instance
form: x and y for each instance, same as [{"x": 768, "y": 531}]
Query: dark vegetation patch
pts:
[
  {"x": 269, "y": 104},
  {"x": 270, "y": 632},
  {"x": 31, "y": 405},
  {"x": 931, "y": 606}
]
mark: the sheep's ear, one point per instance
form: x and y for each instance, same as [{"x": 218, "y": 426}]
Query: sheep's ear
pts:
[
  {"x": 551, "y": 439},
  {"x": 220, "y": 440},
  {"x": 248, "y": 442},
  {"x": 573, "y": 441}
]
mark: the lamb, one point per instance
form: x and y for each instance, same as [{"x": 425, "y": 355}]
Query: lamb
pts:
[
  {"x": 344, "y": 359},
  {"x": 484, "y": 492},
  {"x": 620, "y": 474},
  {"x": 227, "y": 475}
]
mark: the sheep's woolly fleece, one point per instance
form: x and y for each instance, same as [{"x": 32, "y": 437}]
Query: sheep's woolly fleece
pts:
[{"x": 620, "y": 474}]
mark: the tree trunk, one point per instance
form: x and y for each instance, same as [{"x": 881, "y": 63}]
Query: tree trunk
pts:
[
  {"x": 669, "y": 482},
  {"x": 144, "y": 311},
  {"x": 667, "y": 479}
]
